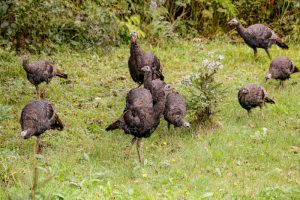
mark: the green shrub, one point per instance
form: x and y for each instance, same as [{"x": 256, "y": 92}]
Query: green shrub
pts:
[
  {"x": 188, "y": 18},
  {"x": 38, "y": 25},
  {"x": 203, "y": 92},
  {"x": 131, "y": 23},
  {"x": 41, "y": 25}
]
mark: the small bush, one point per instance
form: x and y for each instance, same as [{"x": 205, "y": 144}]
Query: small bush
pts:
[
  {"x": 41, "y": 25},
  {"x": 203, "y": 92},
  {"x": 38, "y": 25}
]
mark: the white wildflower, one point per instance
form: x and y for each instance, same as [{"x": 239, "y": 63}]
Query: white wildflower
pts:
[
  {"x": 185, "y": 81},
  {"x": 162, "y": 2},
  {"x": 211, "y": 65},
  {"x": 264, "y": 129},
  {"x": 220, "y": 57},
  {"x": 153, "y": 5},
  {"x": 196, "y": 39},
  {"x": 218, "y": 63},
  {"x": 205, "y": 62},
  {"x": 211, "y": 53}
]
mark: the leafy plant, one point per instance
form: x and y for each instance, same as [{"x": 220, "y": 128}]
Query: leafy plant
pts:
[
  {"x": 132, "y": 23},
  {"x": 100, "y": 23},
  {"x": 87, "y": 24},
  {"x": 204, "y": 93}
]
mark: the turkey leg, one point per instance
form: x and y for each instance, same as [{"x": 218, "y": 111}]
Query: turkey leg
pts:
[
  {"x": 267, "y": 51},
  {"x": 262, "y": 112},
  {"x": 38, "y": 146},
  {"x": 128, "y": 155},
  {"x": 249, "y": 113},
  {"x": 37, "y": 91},
  {"x": 139, "y": 148},
  {"x": 280, "y": 84},
  {"x": 255, "y": 54}
]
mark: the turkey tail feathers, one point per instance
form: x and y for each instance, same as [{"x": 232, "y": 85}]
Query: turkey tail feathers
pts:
[
  {"x": 269, "y": 100},
  {"x": 114, "y": 126},
  {"x": 281, "y": 44},
  {"x": 58, "y": 73},
  {"x": 62, "y": 75},
  {"x": 59, "y": 125}
]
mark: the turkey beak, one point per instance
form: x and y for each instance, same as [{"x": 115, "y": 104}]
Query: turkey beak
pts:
[
  {"x": 133, "y": 36},
  {"x": 268, "y": 76},
  {"x": 24, "y": 135},
  {"x": 186, "y": 124}
]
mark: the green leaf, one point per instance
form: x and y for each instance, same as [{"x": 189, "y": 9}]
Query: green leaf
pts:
[{"x": 207, "y": 14}]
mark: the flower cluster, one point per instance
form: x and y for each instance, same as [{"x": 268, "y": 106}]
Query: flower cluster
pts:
[
  {"x": 260, "y": 135},
  {"x": 185, "y": 81},
  {"x": 215, "y": 63},
  {"x": 197, "y": 43},
  {"x": 202, "y": 89},
  {"x": 153, "y": 5}
]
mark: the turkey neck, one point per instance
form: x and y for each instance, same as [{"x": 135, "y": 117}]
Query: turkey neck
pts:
[
  {"x": 135, "y": 49},
  {"x": 148, "y": 80},
  {"x": 241, "y": 30},
  {"x": 29, "y": 133},
  {"x": 25, "y": 64},
  {"x": 160, "y": 105}
]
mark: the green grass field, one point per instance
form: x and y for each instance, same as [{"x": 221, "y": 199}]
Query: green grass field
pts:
[{"x": 243, "y": 158}]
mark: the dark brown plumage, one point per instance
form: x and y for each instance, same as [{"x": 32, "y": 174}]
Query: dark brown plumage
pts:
[
  {"x": 175, "y": 110},
  {"x": 154, "y": 86},
  {"x": 281, "y": 68},
  {"x": 258, "y": 36},
  {"x": 40, "y": 71},
  {"x": 140, "y": 117},
  {"x": 37, "y": 117},
  {"x": 251, "y": 96},
  {"x": 138, "y": 59}
]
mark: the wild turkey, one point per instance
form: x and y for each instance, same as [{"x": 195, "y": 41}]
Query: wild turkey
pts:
[
  {"x": 155, "y": 86},
  {"x": 258, "y": 36},
  {"x": 37, "y": 117},
  {"x": 138, "y": 59},
  {"x": 40, "y": 71},
  {"x": 251, "y": 96},
  {"x": 175, "y": 110},
  {"x": 281, "y": 68},
  {"x": 140, "y": 117}
]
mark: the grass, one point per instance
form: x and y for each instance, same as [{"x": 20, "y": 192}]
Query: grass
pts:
[{"x": 237, "y": 160}]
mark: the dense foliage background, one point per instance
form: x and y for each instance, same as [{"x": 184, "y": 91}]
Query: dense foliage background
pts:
[{"x": 38, "y": 25}]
